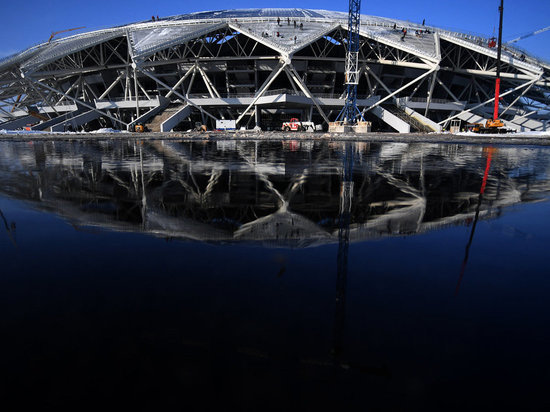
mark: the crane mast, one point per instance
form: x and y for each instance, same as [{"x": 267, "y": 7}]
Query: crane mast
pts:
[
  {"x": 350, "y": 111},
  {"x": 499, "y": 51},
  {"x": 348, "y": 115},
  {"x": 495, "y": 125}
]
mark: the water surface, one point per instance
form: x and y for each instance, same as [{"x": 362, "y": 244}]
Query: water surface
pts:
[{"x": 274, "y": 275}]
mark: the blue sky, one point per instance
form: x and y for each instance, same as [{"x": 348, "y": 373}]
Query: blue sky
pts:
[{"x": 30, "y": 22}]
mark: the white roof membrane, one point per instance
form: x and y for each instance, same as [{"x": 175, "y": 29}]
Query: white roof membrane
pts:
[
  {"x": 152, "y": 39},
  {"x": 415, "y": 41},
  {"x": 63, "y": 47},
  {"x": 285, "y": 36},
  {"x": 149, "y": 37}
]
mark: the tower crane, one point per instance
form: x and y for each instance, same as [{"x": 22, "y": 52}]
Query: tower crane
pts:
[
  {"x": 347, "y": 115},
  {"x": 350, "y": 111},
  {"x": 525, "y": 36}
]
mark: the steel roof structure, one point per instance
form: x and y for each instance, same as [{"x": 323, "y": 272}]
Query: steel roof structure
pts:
[{"x": 262, "y": 66}]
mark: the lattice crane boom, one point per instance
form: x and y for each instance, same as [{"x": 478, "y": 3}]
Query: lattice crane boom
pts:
[{"x": 525, "y": 36}]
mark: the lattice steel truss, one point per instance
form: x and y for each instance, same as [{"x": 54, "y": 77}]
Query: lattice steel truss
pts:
[{"x": 260, "y": 67}]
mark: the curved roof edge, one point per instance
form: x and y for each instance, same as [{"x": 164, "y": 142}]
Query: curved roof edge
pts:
[{"x": 218, "y": 16}]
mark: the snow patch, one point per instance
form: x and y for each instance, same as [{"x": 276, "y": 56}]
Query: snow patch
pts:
[
  {"x": 516, "y": 134},
  {"x": 3, "y": 131},
  {"x": 26, "y": 132},
  {"x": 107, "y": 130}
]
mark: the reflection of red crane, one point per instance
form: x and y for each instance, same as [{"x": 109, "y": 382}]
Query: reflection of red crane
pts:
[
  {"x": 9, "y": 228},
  {"x": 489, "y": 153},
  {"x": 62, "y": 31}
]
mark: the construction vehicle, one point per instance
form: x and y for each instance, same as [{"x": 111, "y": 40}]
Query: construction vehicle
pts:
[
  {"x": 495, "y": 125},
  {"x": 199, "y": 127},
  {"x": 295, "y": 125},
  {"x": 490, "y": 126},
  {"x": 139, "y": 128}
]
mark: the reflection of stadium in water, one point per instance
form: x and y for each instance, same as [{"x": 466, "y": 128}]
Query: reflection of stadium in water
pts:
[{"x": 274, "y": 193}]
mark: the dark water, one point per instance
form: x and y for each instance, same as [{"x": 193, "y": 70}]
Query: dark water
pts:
[{"x": 258, "y": 276}]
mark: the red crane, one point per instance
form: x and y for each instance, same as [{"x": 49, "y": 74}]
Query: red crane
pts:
[{"x": 62, "y": 31}]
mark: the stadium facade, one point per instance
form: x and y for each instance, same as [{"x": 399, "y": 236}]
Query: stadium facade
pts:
[{"x": 261, "y": 67}]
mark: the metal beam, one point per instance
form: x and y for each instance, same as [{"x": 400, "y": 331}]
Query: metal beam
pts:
[
  {"x": 181, "y": 96},
  {"x": 136, "y": 92},
  {"x": 430, "y": 93},
  {"x": 489, "y": 73},
  {"x": 79, "y": 102},
  {"x": 448, "y": 90},
  {"x": 211, "y": 89},
  {"x": 106, "y": 92},
  {"x": 191, "y": 82},
  {"x": 180, "y": 81},
  {"x": 489, "y": 101},
  {"x": 519, "y": 97},
  {"x": 276, "y": 71},
  {"x": 400, "y": 89},
  {"x": 292, "y": 71},
  {"x": 378, "y": 79}
]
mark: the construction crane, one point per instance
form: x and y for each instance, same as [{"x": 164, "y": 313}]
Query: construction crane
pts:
[
  {"x": 350, "y": 111},
  {"x": 525, "y": 36},
  {"x": 496, "y": 121},
  {"x": 495, "y": 125},
  {"x": 55, "y": 33}
]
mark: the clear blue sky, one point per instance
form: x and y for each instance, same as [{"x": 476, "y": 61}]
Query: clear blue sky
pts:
[{"x": 29, "y": 22}]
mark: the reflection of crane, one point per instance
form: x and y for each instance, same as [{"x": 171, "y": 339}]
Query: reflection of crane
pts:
[
  {"x": 62, "y": 31},
  {"x": 490, "y": 151},
  {"x": 10, "y": 229},
  {"x": 525, "y": 36},
  {"x": 346, "y": 193}
]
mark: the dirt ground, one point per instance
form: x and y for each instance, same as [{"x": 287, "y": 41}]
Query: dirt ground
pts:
[{"x": 509, "y": 139}]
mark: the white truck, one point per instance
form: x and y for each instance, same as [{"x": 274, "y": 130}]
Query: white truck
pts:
[
  {"x": 226, "y": 124},
  {"x": 295, "y": 125}
]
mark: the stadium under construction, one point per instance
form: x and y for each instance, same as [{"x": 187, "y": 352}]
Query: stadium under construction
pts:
[{"x": 261, "y": 67}]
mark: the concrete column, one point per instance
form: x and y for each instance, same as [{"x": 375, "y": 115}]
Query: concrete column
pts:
[{"x": 257, "y": 112}]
